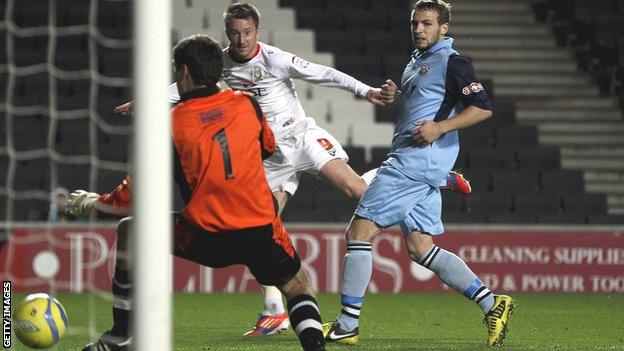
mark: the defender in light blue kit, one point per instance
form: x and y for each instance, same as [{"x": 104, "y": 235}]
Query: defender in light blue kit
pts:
[{"x": 439, "y": 95}]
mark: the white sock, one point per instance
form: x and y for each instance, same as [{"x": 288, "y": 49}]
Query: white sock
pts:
[{"x": 273, "y": 304}]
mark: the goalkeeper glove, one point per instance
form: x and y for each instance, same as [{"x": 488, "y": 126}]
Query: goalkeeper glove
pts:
[{"x": 80, "y": 203}]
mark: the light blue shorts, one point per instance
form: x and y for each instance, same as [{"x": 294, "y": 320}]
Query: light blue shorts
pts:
[{"x": 392, "y": 198}]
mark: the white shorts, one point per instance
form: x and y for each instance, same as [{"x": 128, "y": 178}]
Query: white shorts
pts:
[{"x": 306, "y": 150}]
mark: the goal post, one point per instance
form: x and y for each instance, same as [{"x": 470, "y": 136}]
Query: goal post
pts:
[{"x": 152, "y": 263}]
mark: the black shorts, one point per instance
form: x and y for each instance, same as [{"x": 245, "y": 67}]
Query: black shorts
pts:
[{"x": 265, "y": 250}]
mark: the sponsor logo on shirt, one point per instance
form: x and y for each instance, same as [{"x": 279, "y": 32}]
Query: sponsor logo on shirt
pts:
[
  {"x": 226, "y": 74},
  {"x": 327, "y": 145},
  {"x": 473, "y": 87},
  {"x": 300, "y": 62}
]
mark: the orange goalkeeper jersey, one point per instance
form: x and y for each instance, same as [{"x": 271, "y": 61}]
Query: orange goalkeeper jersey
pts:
[{"x": 220, "y": 139}]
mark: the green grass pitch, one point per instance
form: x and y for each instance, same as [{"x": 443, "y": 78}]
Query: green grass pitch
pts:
[{"x": 422, "y": 321}]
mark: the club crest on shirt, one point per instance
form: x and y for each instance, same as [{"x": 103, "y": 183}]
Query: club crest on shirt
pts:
[
  {"x": 424, "y": 69},
  {"x": 327, "y": 145},
  {"x": 473, "y": 87},
  {"x": 256, "y": 73}
]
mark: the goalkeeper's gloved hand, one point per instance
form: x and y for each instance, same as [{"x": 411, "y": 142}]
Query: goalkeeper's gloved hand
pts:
[{"x": 80, "y": 203}]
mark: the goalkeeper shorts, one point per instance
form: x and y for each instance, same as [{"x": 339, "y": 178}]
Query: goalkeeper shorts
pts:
[{"x": 266, "y": 250}]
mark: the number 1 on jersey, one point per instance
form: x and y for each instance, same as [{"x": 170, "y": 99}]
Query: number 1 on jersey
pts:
[{"x": 221, "y": 138}]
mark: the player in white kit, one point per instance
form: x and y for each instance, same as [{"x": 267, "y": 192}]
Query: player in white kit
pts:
[{"x": 266, "y": 73}]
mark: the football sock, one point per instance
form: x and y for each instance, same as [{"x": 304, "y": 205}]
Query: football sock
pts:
[
  {"x": 273, "y": 304},
  {"x": 358, "y": 268},
  {"x": 122, "y": 305},
  {"x": 455, "y": 273},
  {"x": 306, "y": 321}
]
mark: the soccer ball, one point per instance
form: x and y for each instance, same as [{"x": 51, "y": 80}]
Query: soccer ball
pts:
[{"x": 40, "y": 321}]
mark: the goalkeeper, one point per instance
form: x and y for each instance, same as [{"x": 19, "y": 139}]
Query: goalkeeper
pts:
[{"x": 230, "y": 215}]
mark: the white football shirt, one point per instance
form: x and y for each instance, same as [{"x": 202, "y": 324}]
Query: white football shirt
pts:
[{"x": 268, "y": 76}]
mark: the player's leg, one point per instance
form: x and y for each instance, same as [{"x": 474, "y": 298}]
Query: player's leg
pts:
[
  {"x": 273, "y": 260},
  {"x": 383, "y": 204},
  {"x": 339, "y": 174},
  {"x": 304, "y": 312},
  {"x": 118, "y": 337},
  {"x": 273, "y": 318},
  {"x": 453, "y": 271},
  {"x": 357, "y": 271}
]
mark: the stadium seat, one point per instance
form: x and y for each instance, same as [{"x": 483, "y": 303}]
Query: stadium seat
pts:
[
  {"x": 30, "y": 13},
  {"x": 539, "y": 158},
  {"x": 358, "y": 65},
  {"x": 357, "y": 158},
  {"x": 31, "y": 90},
  {"x": 30, "y": 132},
  {"x": 3, "y": 86},
  {"x": 115, "y": 19},
  {"x": 378, "y": 43},
  {"x": 386, "y": 113},
  {"x": 482, "y": 204},
  {"x": 319, "y": 18},
  {"x": 70, "y": 53},
  {"x": 3, "y": 51},
  {"x": 72, "y": 137},
  {"x": 30, "y": 50},
  {"x": 365, "y": 21},
  {"x": 3, "y": 122},
  {"x": 4, "y": 165},
  {"x": 108, "y": 180},
  {"x": 378, "y": 156},
  {"x": 394, "y": 65},
  {"x": 73, "y": 176},
  {"x": 585, "y": 203},
  {"x": 72, "y": 12},
  {"x": 72, "y": 94},
  {"x": 30, "y": 209},
  {"x": 453, "y": 202},
  {"x": 486, "y": 158},
  {"x": 3, "y": 207},
  {"x": 511, "y": 218},
  {"x": 516, "y": 137},
  {"x": 480, "y": 179},
  {"x": 340, "y": 42},
  {"x": 114, "y": 62},
  {"x": 515, "y": 181},
  {"x": 601, "y": 218},
  {"x": 503, "y": 113},
  {"x": 561, "y": 218},
  {"x": 113, "y": 147},
  {"x": 477, "y": 136},
  {"x": 450, "y": 217},
  {"x": 538, "y": 204},
  {"x": 110, "y": 97},
  {"x": 562, "y": 181},
  {"x": 462, "y": 161},
  {"x": 32, "y": 174}
]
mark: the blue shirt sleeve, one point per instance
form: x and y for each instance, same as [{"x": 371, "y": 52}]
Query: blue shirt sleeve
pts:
[{"x": 462, "y": 84}]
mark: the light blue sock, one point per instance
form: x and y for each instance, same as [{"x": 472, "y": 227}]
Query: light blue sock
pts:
[
  {"x": 455, "y": 273},
  {"x": 358, "y": 268}
]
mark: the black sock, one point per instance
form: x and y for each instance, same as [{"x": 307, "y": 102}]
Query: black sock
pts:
[
  {"x": 306, "y": 322},
  {"x": 122, "y": 305}
]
